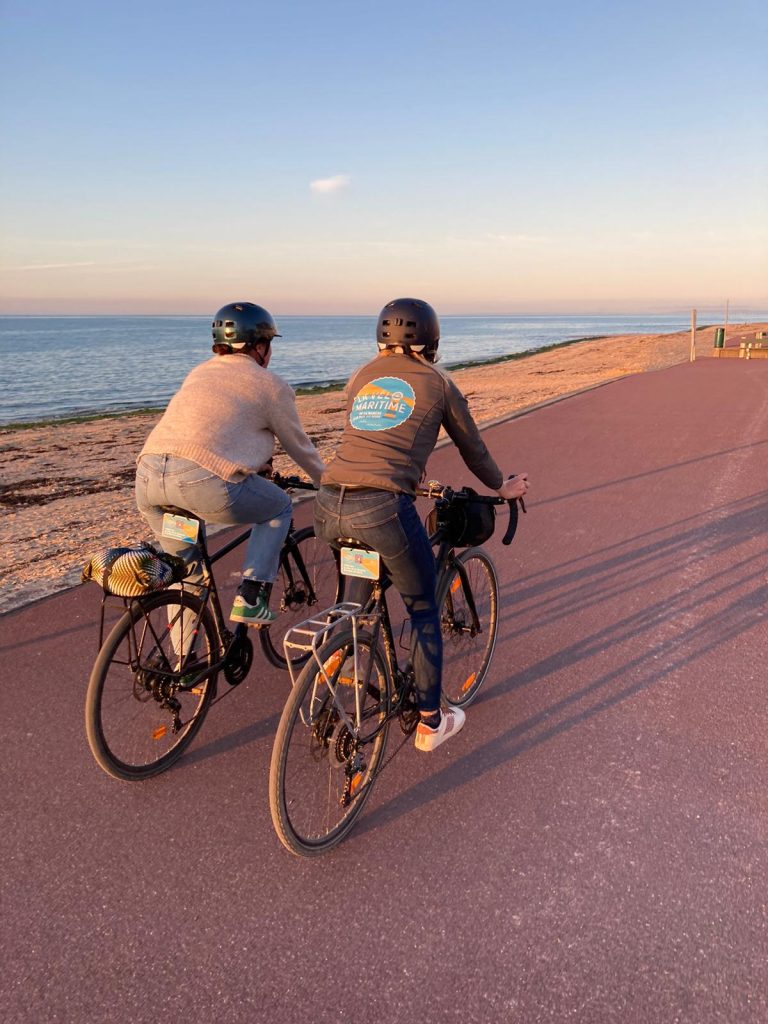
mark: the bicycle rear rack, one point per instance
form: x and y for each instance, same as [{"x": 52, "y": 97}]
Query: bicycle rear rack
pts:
[{"x": 311, "y": 634}]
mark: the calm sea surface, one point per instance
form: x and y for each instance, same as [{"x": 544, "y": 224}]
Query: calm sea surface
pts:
[{"x": 52, "y": 367}]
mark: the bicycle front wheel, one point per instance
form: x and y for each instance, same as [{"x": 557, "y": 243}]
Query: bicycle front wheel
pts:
[
  {"x": 144, "y": 705},
  {"x": 322, "y": 770},
  {"x": 307, "y": 582},
  {"x": 468, "y": 599}
]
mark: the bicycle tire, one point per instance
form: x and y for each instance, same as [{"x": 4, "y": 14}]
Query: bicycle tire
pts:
[
  {"x": 313, "y": 764},
  {"x": 129, "y": 721},
  {"x": 289, "y": 596},
  {"x": 468, "y": 644}
]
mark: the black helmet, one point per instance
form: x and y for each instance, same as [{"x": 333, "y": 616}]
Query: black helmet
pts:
[
  {"x": 241, "y": 325},
  {"x": 410, "y": 324}
]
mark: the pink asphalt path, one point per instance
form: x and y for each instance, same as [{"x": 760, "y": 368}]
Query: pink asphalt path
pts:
[{"x": 591, "y": 848}]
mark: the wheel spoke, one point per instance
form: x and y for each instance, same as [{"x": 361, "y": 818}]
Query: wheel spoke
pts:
[
  {"x": 321, "y": 770},
  {"x": 306, "y": 583},
  {"x": 139, "y": 715},
  {"x": 468, "y": 621}
]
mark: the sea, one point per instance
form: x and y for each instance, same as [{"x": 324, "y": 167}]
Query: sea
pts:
[{"x": 57, "y": 367}]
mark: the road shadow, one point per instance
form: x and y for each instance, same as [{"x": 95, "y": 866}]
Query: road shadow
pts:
[
  {"x": 722, "y": 594},
  {"x": 652, "y": 473},
  {"x": 642, "y": 561}
]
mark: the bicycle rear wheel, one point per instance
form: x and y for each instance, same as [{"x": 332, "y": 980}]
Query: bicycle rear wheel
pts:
[
  {"x": 307, "y": 582},
  {"x": 468, "y": 599},
  {"x": 321, "y": 774},
  {"x": 139, "y": 717}
]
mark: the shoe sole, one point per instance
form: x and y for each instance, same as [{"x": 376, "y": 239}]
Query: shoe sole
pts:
[
  {"x": 256, "y": 623},
  {"x": 443, "y": 739}
]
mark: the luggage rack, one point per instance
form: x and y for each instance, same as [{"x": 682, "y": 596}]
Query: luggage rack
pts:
[{"x": 312, "y": 633}]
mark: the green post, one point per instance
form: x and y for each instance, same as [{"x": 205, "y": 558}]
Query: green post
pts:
[{"x": 719, "y": 337}]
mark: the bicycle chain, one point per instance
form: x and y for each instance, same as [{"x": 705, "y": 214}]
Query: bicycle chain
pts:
[{"x": 393, "y": 755}]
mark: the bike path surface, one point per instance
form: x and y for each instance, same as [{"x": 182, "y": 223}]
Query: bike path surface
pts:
[{"x": 591, "y": 848}]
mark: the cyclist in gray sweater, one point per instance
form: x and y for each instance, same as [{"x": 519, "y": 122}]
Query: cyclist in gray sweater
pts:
[
  {"x": 396, "y": 405},
  {"x": 217, "y": 433}
]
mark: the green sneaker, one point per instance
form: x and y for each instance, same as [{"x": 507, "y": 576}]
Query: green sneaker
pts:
[{"x": 257, "y": 614}]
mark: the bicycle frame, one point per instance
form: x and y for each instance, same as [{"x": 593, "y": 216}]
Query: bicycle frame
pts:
[
  {"x": 331, "y": 740},
  {"x": 312, "y": 635},
  {"x": 207, "y": 588}
]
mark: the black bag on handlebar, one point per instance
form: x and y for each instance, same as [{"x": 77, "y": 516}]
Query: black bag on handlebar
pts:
[{"x": 463, "y": 523}]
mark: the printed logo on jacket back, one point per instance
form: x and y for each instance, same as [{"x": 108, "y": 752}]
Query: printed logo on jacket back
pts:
[{"x": 384, "y": 403}]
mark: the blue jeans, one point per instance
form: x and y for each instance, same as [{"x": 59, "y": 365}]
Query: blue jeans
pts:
[
  {"x": 169, "y": 480},
  {"x": 389, "y": 523}
]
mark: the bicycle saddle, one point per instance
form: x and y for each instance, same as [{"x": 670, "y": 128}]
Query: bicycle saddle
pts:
[
  {"x": 349, "y": 542},
  {"x": 175, "y": 510}
]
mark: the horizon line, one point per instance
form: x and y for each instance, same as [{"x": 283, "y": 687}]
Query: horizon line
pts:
[{"x": 670, "y": 311}]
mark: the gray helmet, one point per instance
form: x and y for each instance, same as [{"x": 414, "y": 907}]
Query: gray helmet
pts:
[
  {"x": 410, "y": 324},
  {"x": 241, "y": 325}
]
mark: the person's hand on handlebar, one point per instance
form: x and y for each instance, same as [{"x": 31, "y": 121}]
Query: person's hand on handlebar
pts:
[{"x": 515, "y": 487}]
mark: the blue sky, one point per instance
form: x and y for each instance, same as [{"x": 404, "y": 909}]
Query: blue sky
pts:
[{"x": 492, "y": 157}]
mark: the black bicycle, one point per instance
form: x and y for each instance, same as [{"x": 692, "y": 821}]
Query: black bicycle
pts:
[
  {"x": 155, "y": 676},
  {"x": 330, "y": 743}
]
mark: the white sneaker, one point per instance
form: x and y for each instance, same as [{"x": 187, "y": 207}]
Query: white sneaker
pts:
[{"x": 451, "y": 721}]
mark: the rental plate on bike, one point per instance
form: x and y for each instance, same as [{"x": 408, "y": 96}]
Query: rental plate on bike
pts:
[
  {"x": 180, "y": 528},
  {"x": 360, "y": 562}
]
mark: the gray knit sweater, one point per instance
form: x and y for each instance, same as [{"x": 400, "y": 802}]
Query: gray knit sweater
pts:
[{"x": 226, "y": 416}]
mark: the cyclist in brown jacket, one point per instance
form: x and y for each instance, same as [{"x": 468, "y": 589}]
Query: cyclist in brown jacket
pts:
[{"x": 396, "y": 405}]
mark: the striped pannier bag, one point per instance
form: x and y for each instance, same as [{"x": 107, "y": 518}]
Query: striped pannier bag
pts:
[{"x": 132, "y": 572}]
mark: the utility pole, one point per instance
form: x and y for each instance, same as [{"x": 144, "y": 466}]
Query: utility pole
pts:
[{"x": 693, "y": 335}]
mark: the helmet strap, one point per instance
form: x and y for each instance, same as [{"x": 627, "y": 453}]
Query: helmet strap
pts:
[{"x": 259, "y": 351}]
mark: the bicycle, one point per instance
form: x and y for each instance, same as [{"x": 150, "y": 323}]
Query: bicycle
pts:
[
  {"x": 155, "y": 676},
  {"x": 330, "y": 743}
]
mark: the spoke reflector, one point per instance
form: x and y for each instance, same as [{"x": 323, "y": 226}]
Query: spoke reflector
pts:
[
  {"x": 332, "y": 665},
  {"x": 455, "y": 584},
  {"x": 333, "y": 662},
  {"x": 469, "y": 681},
  {"x": 157, "y": 734}
]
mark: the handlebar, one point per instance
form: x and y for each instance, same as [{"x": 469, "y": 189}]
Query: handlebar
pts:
[
  {"x": 295, "y": 482},
  {"x": 434, "y": 490},
  {"x": 442, "y": 492},
  {"x": 513, "y": 516}
]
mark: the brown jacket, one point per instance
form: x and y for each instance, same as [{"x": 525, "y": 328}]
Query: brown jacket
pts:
[{"x": 396, "y": 405}]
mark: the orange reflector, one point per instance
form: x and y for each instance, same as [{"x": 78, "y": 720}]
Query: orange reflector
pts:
[
  {"x": 157, "y": 734},
  {"x": 469, "y": 681},
  {"x": 198, "y": 690},
  {"x": 333, "y": 662},
  {"x": 355, "y": 783},
  {"x": 455, "y": 584}
]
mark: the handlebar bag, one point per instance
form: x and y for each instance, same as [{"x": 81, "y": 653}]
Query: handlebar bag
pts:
[{"x": 463, "y": 523}]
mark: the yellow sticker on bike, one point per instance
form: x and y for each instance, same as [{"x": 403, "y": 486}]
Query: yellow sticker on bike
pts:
[{"x": 360, "y": 562}]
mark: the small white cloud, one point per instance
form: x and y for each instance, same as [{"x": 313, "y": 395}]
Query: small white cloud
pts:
[{"x": 322, "y": 186}]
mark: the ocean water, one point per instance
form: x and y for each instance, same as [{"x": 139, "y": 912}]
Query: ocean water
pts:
[{"x": 55, "y": 367}]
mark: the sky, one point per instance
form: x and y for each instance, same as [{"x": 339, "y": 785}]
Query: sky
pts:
[{"x": 491, "y": 157}]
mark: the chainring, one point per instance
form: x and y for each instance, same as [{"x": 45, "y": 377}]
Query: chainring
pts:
[{"x": 239, "y": 660}]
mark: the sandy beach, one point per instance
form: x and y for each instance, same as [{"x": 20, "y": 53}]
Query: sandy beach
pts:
[{"x": 67, "y": 489}]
